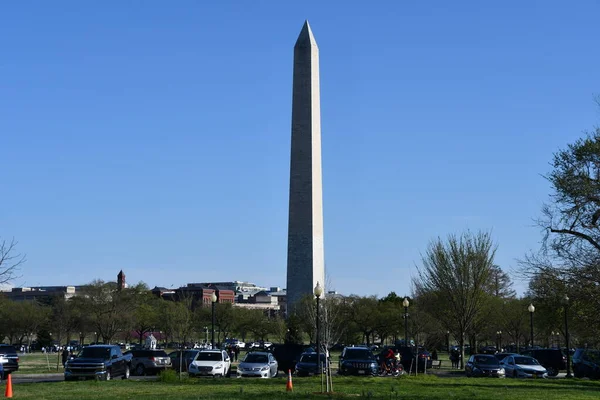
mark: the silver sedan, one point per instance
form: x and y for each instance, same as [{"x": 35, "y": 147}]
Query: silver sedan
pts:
[
  {"x": 258, "y": 364},
  {"x": 517, "y": 366}
]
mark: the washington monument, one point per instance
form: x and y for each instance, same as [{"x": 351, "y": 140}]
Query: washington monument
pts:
[{"x": 305, "y": 261}]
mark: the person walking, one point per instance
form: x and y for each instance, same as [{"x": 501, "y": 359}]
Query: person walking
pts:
[{"x": 65, "y": 356}]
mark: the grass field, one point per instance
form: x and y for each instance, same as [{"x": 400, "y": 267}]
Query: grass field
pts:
[{"x": 422, "y": 387}]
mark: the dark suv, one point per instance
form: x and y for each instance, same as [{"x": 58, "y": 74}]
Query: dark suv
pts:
[
  {"x": 586, "y": 363},
  {"x": 551, "y": 359},
  {"x": 9, "y": 359},
  {"x": 358, "y": 361}
]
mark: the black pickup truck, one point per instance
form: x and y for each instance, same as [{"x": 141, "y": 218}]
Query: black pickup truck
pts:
[{"x": 100, "y": 362}]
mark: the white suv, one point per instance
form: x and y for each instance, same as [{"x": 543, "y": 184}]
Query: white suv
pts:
[{"x": 210, "y": 363}]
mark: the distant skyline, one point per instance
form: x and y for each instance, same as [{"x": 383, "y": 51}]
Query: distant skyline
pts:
[{"x": 154, "y": 137}]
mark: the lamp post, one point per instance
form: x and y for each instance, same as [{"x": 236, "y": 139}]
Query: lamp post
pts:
[
  {"x": 206, "y": 335},
  {"x": 318, "y": 292},
  {"x": 405, "y": 303},
  {"x": 531, "y": 310},
  {"x": 448, "y": 341},
  {"x": 566, "y": 303},
  {"x": 96, "y": 334},
  {"x": 552, "y": 339},
  {"x": 499, "y": 340},
  {"x": 213, "y": 299},
  {"x": 557, "y": 338}
]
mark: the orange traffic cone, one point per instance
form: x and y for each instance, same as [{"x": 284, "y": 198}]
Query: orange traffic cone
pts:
[
  {"x": 8, "y": 391},
  {"x": 289, "y": 387}
]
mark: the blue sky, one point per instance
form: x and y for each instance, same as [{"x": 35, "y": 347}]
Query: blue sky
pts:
[{"x": 154, "y": 137}]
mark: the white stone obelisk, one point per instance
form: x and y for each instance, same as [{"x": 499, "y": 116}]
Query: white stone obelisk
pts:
[{"x": 306, "y": 259}]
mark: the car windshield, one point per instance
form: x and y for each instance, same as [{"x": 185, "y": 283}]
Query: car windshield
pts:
[
  {"x": 486, "y": 360},
  {"x": 209, "y": 356},
  {"x": 357, "y": 354},
  {"x": 7, "y": 350},
  {"x": 526, "y": 361},
  {"x": 256, "y": 358},
  {"x": 95, "y": 352}
]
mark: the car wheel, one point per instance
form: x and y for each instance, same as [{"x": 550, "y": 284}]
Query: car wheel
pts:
[
  {"x": 140, "y": 370},
  {"x": 127, "y": 372},
  {"x": 552, "y": 371}
]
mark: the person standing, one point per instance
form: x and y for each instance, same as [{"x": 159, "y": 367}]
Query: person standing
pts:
[
  {"x": 65, "y": 355},
  {"x": 236, "y": 352}
]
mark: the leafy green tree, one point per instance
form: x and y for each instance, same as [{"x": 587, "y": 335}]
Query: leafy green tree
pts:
[
  {"x": 363, "y": 312},
  {"x": 145, "y": 315}
]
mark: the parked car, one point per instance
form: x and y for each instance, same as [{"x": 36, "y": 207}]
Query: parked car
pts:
[
  {"x": 99, "y": 361},
  {"x": 586, "y": 363},
  {"x": 551, "y": 359},
  {"x": 502, "y": 356},
  {"x": 258, "y": 364},
  {"x": 9, "y": 360},
  {"x": 413, "y": 359},
  {"x": 307, "y": 365},
  {"x": 181, "y": 359},
  {"x": 149, "y": 361},
  {"x": 234, "y": 342},
  {"x": 210, "y": 363},
  {"x": 358, "y": 361},
  {"x": 484, "y": 365},
  {"x": 518, "y": 366},
  {"x": 488, "y": 350}
]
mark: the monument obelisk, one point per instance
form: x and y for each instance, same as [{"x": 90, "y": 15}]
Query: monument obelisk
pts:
[{"x": 306, "y": 260}]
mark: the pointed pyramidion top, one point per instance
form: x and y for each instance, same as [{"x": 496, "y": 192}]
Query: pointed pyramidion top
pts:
[{"x": 306, "y": 38}]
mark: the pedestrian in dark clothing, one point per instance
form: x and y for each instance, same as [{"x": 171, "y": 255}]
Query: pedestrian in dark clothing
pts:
[
  {"x": 236, "y": 352},
  {"x": 65, "y": 356}
]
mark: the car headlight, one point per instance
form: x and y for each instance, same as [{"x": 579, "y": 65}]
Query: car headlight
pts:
[
  {"x": 218, "y": 366},
  {"x": 501, "y": 371},
  {"x": 265, "y": 368},
  {"x": 373, "y": 365}
]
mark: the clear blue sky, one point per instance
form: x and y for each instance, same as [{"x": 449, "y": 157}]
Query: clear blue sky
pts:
[{"x": 154, "y": 137}]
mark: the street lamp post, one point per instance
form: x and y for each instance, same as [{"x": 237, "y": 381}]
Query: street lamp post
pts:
[
  {"x": 206, "y": 335},
  {"x": 405, "y": 303},
  {"x": 531, "y": 310},
  {"x": 499, "y": 340},
  {"x": 318, "y": 292},
  {"x": 552, "y": 339},
  {"x": 448, "y": 341},
  {"x": 213, "y": 299},
  {"x": 566, "y": 303}
]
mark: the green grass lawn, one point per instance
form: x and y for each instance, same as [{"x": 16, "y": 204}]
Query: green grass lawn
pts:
[
  {"x": 38, "y": 363},
  {"x": 421, "y": 387}
]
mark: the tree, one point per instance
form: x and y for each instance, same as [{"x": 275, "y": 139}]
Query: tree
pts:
[
  {"x": 9, "y": 260},
  {"x": 571, "y": 220},
  {"x": 145, "y": 315},
  {"x": 500, "y": 284},
  {"x": 457, "y": 272},
  {"x": 110, "y": 307},
  {"x": 570, "y": 251},
  {"x": 332, "y": 318}
]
